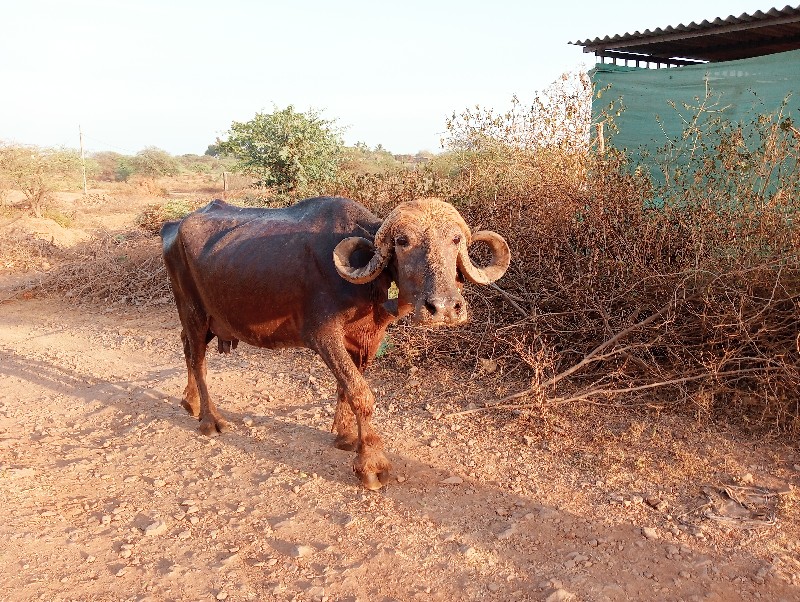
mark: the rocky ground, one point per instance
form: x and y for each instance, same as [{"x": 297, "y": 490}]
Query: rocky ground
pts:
[{"x": 110, "y": 493}]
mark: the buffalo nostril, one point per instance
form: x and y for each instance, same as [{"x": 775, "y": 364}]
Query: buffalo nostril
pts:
[
  {"x": 457, "y": 307},
  {"x": 430, "y": 307}
]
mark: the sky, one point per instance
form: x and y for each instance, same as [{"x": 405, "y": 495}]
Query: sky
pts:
[{"x": 175, "y": 74}]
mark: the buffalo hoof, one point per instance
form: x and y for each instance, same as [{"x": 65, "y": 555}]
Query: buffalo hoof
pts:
[
  {"x": 346, "y": 442},
  {"x": 373, "y": 481},
  {"x": 192, "y": 409},
  {"x": 373, "y": 470},
  {"x": 212, "y": 426}
]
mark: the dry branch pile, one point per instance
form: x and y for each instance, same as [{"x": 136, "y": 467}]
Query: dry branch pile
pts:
[
  {"x": 21, "y": 254},
  {"x": 122, "y": 267}
]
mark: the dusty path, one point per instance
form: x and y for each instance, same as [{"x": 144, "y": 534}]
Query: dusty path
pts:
[{"x": 108, "y": 492}]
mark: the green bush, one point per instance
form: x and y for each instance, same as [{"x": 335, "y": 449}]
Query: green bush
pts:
[
  {"x": 154, "y": 215},
  {"x": 153, "y": 162},
  {"x": 290, "y": 152},
  {"x": 125, "y": 169}
]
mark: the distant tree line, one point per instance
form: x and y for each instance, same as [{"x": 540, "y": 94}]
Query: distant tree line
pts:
[
  {"x": 289, "y": 154},
  {"x": 151, "y": 162}
]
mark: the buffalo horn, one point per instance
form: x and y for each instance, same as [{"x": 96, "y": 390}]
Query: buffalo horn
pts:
[
  {"x": 345, "y": 249},
  {"x": 501, "y": 258},
  {"x": 381, "y": 249}
]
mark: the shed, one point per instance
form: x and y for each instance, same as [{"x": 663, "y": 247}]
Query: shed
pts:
[{"x": 736, "y": 67}]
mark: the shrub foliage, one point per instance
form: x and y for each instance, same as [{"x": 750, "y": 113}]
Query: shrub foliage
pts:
[
  {"x": 288, "y": 151},
  {"x": 38, "y": 172}
]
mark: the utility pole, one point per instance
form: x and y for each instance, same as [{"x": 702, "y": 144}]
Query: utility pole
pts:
[{"x": 83, "y": 159}]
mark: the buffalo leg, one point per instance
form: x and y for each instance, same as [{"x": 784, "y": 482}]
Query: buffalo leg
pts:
[
  {"x": 195, "y": 342},
  {"x": 370, "y": 464},
  {"x": 344, "y": 422},
  {"x": 191, "y": 396}
]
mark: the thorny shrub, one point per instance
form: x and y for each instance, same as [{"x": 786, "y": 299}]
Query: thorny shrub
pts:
[
  {"x": 682, "y": 294},
  {"x": 621, "y": 291},
  {"x": 37, "y": 172}
]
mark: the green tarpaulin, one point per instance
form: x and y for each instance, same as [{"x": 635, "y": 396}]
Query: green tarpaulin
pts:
[{"x": 741, "y": 89}]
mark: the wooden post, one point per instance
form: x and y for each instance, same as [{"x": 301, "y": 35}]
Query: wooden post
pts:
[
  {"x": 601, "y": 139},
  {"x": 83, "y": 158},
  {"x": 224, "y": 185}
]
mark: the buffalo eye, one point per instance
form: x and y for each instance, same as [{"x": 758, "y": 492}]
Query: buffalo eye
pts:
[
  {"x": 401, "y": 241},
  {"x": 456, "y": 239}
]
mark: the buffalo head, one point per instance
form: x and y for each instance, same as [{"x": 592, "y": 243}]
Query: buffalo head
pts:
[{"x": 427, "y": 240}]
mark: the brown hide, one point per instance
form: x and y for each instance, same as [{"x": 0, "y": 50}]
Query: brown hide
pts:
[{"x": 270, "y": 278}]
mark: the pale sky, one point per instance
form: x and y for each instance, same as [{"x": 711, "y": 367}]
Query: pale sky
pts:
[{"x": 174, "y": 73}]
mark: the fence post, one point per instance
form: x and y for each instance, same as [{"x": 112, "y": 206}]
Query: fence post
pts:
[{"x": 601, "y": 139}]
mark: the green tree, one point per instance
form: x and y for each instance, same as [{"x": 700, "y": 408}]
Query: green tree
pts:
[
  {"x": 124, "y": 169},
  {"x": 286, "y": 150},
  {"x": 103, "y": 165},
  {"x": 38, "y": 172},
  {"x": 115, "y": 167},
  {"x": 153, "y": 162}
]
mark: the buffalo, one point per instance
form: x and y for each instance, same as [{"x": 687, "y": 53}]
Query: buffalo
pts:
[{"x": 317, "y": 275}]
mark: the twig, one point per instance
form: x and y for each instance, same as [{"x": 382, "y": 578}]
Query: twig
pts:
[
  {"x": 508, "y": 297},
  {"x": 593, "y": 355},
  {"x": 586, "y": 395}
]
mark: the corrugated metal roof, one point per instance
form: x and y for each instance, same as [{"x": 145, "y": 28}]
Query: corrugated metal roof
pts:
[{"x": 745, "y": 36}]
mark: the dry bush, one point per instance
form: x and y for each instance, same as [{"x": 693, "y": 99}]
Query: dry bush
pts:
[
  {"x": 22, "y": 254},
  {"x": 622, "y": 291},
  {"x": 155, "y": 214},
  {"x": 142, "y": 186},
  {"x": 112, "y": 268}
]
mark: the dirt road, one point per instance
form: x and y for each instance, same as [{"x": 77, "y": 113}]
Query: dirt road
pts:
[{"x": 109, "y": 492}]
